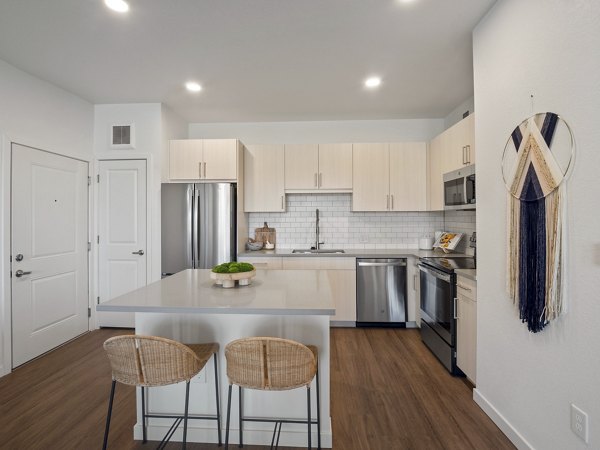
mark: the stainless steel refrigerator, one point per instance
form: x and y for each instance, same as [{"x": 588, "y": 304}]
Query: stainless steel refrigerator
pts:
[{"x": 198, "y": 225}]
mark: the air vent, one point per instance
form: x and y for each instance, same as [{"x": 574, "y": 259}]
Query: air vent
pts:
[{"x": 122, "y": 136}]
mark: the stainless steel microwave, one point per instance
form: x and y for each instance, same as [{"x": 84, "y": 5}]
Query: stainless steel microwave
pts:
[{"x": 459, "y": 188}]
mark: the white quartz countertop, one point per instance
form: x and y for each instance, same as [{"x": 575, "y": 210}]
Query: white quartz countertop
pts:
[
  {"x": 467, "y": 273},
  {"x": 356, "y": 253},
  {"x": 272, "y": 292}
]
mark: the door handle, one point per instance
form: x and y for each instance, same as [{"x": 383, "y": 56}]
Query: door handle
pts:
[
  {"x": 139, "y": 252},
  {"x": 19, "y": 273}
]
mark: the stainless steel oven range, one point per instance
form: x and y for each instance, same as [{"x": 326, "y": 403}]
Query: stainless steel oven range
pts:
[{"x": 438, "y": 306}]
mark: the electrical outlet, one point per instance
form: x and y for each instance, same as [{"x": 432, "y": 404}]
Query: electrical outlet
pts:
[{"x": 579, "y": 423}]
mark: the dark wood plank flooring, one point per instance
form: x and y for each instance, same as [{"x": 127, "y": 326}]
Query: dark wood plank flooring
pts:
[{"x": 387, "y": 392}]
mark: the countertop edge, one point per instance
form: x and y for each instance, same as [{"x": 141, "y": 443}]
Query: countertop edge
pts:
[
  {"x": 216, "y": 310},
  {"x": 353, "y": 253}
]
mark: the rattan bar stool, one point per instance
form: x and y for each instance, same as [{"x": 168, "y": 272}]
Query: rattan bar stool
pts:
[
  {"x": 272, "y": 364},
  {"x": 149, "y": 361}
]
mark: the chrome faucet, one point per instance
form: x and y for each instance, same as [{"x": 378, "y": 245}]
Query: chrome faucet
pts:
[{"x": 317, "y": 243}]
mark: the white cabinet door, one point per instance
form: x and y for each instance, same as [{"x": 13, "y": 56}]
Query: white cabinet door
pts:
[
  {"x": 264, "y": 178},
  {"x": 370, "y": 177},
  {"x": 301, "y": 166},
  {"x": 335, "y": 166},
  {"x": 435, "y": 180},
  {"x": 408, "y": 176},
  {"x": 466, "y": 334},
  {"x": 122, "y": 247},
  {"x": 220, "y": 159},
  {"x": 185, "y": 159},
  {"x": 49, "y": 242}
]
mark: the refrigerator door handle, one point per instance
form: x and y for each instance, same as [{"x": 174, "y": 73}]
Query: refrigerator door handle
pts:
[{"x": 194, "y": 227}]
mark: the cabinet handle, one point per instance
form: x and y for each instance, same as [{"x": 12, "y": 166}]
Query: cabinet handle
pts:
[
  {"x": 320, "y": 179},
  {"x": 316, "y": 183},
  {"x": 392, "y": 208},
  {"x": 205, "y": 169},
  {"x": 463, "y": 287},
  {"x": 464, "y": 150},
  {"x": 200, "y": 170},
  {"x": 387, "y": 205},
  {"x": 468, "y": 154},
  {"x": 455, "y": 308},
  {"x": 282, "y": 207}
]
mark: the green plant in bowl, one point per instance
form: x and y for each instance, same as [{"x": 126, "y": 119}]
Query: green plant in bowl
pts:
[{"x": 233, "y": 267}]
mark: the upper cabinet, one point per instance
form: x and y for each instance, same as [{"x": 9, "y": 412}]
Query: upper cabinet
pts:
[
  {"x": 408, "y": 176},
  {"x": 264, "y": 178},
  {"x": 390, "y": 177},
  {"x": 314, "y": 167},
  {"x": 460, "y": 148},
  {"x": 449, "y": 151},
  {"x": 370, "y": 177},
  {"x": 203, "y": 159}
]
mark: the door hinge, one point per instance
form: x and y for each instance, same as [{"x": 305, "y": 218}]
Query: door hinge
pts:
[
  {"x": 89, "y": 181},
  {"x": 89, "y": 246},
  {"x": 89, "y": 312}
]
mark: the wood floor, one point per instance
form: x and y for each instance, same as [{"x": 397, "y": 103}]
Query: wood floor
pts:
[{"x": 388, "y": 392}]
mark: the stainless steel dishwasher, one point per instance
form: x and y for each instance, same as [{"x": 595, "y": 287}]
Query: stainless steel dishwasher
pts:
[{"x": 381, "y": 292}]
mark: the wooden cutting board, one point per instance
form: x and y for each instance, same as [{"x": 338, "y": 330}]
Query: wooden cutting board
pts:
[{"x": 265, "y": 234}]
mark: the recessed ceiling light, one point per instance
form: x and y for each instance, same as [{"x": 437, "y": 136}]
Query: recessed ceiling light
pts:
[
  {"x": 192, "y": 86},
  {"x": 117, "y": 5},
  {"x": 372, "y": 82}
]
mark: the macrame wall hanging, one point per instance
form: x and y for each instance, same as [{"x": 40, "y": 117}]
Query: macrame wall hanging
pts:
[{"x": 535, "y": 165}]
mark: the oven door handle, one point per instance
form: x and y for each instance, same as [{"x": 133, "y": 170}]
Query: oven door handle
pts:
[{"x": 435, "y": 273}]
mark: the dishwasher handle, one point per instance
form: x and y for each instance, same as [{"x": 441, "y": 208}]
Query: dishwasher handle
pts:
[{"x": 381, "y": 264}]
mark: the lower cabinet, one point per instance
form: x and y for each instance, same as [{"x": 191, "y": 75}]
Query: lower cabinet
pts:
[
  {"x": 466, "y": 334},
  {"x": 341, "y": 273}
]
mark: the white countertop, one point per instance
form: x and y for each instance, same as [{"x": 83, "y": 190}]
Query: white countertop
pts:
[
  {"x": 467, "y": 273},
  {"x": 357, "y": 253},
  {"x": 272, "y": 292}
]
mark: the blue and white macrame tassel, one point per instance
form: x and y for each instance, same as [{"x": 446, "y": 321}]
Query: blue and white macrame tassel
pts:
[{"x": 535, "y": 224}]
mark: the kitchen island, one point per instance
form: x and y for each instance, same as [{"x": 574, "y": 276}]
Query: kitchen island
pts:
[{"x": 190, "y": 308}]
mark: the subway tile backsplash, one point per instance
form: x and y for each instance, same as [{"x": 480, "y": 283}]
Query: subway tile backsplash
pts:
[{"x": 342, "y": 228}]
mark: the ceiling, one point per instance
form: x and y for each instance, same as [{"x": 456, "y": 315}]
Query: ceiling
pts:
[{"x": 257, "y": 60}]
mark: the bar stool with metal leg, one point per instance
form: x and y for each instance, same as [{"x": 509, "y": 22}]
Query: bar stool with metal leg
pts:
[
  {"x": 271, "y": 364},
  {"x": 149, "y": 361}
]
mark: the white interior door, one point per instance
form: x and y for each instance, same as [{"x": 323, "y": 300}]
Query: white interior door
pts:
[
  {"x": 49, "y": 251},
  {"x": 121, "y": 234}
]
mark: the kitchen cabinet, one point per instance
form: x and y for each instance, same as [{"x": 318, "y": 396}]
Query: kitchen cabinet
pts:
[
  {"x": 203, "y": 159},
  {"x": 408, "y": 176},
  {"x": 370, "y": 177},
  {"x": 264, "y": 189},
  {"x": 466, "y": 333},
  {"x": 459, "y": 143},
  {"x": 436, "y": 171},
  {"x": 263, "y": 262},
  {"x": 390, "y": 177},
  {"x": 314, "y": 167}
]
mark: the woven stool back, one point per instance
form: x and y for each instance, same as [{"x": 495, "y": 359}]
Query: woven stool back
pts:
[
  {"x": 150, "y": 361},
  {"x": 269, "y": 363}
]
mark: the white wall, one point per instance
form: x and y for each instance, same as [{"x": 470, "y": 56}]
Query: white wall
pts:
[
  {"x": 39, "y": 114},
  {"x": 550, "y": 49},
  {"x": 173, "y": 127},
  {"x": 321, "y": 132},
  {"x": 456, "y": 115},
  {"x": 146, "y": 118}
]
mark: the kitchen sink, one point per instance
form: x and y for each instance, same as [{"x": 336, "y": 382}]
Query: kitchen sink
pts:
[{"x": 321, "y": 250}]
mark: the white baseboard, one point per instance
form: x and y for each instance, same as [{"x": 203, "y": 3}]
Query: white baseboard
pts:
[
  {"x": 511, "y": 432},
  {"x": 294, "y": 436}
]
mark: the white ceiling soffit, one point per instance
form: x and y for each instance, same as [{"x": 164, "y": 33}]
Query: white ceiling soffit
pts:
[{"x": 257, "y": 60}]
